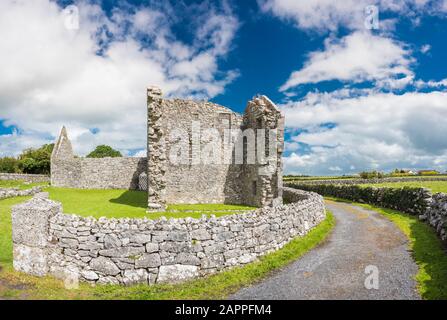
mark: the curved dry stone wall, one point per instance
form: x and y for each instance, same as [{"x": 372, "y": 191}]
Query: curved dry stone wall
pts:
[
  {"x": 128, "y": 251},
  {"x": 431, "y": 208},
  {"x": 16, "y": 192}
]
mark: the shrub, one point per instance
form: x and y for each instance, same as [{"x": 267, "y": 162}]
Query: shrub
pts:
[
  {"x": 371, "y": 175},
  {"x": 36, "y": 161},
  {"x": 9, "y": 165},
  {"x": 104, "y": 151},
  {"x": 406, "y": 199}
]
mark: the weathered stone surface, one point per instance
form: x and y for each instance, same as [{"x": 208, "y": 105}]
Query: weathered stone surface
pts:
[
  {"x": 90, "y": 275},
  {"x": 30, "y": 260},
  {"x": 111, "y": 241},
  {"x": 30, "y": 221},
  {"x": 177, "y": 273},
  {"x": 135, "y": 276},
  {"x": 128, "y": 251},
  {"x": 200, "y": 234},
  {"x": 104, "y": 266},
  {"x": 140, "y": 238},
  {"x": 148, "y": 260},
  {"x": 122, "y": 252},
  {"x": 152, "y": 247},
  {"x": 187, "y": 258}
]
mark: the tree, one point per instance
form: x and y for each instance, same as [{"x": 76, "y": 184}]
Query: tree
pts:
[
  {"x": 9, "y": 165},
  {"x": 103, "y": 151},
  {"x": 36, "y": 161}
]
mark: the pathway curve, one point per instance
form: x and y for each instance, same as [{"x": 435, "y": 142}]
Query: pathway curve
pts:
[{"x": 336, "y": 268}]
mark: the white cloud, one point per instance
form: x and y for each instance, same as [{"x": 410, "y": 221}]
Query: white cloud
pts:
[
  {"x": 357, "y": 57},
  {"x": 375, "y": 131},
  {"x": 95, "y": 77},
  {"x": 425, "y": 48},
  {"x": 330, "y": 15}
]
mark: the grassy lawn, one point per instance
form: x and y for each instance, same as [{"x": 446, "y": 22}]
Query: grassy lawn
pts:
[
  {"x": 426, "y": 248},
  {"x": 130, "y": 204},
  {"x": 21, "y": 286},
  {"x": 434, "y": 186},
  {"x": 19, "y": 184}
]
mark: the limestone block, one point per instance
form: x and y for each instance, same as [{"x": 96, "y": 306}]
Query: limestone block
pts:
[
  {"x": 177, "y": 273},
  {"x": 104, "y": 266},
  {"x": 30, "y": 221},
  {"x": 30, "y": 260}
]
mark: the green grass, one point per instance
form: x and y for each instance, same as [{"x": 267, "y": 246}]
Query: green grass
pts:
[
  {"x": 434, "y": 186},
  {"x": 217, "y": 286},
  {"x": 130, "y": 204},
  {"x": 427, "y": 250},
  {"x": 5, "y": 229},
  {"x": 19, "y": 184}
]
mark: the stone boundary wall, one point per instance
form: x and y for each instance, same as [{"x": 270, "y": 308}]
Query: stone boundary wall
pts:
[
  {"x": 129, "y": 251},
  {"x": 32, "y": 178},
  {"x": 431, "y": 208},
  {"x": 98, "y": 173},
  {"x": 16, "y": 192},
  {"x": 364, "y": 181}
]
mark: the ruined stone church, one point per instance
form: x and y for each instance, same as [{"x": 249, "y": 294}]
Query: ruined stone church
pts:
[{"x": 225, "y": 180}]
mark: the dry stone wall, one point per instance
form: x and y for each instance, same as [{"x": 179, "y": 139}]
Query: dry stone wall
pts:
[
  {"x": 129, "y": 251},
  {"x": 70, "y": 171},
  {"x": 31, "y": 178},
  {"x": 366, "y": 181},
  {"x": 16, "y": 192},
  {"x": 219, "y": 178},
  {"x": 431, "y": 208}
]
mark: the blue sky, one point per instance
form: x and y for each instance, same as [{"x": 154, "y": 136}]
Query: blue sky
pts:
[{"x": 355, "y": 98}]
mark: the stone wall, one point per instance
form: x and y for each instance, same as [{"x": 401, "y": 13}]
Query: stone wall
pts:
[
  {"x": 209, "y": 170},
  {"x": 70, "y": 171},
  {"x": 177, "y": 127},
  {"x": 31, "y": 178},
  {"x": 366, "y": 181},
  {"x": 16, "y": 192},
  {"x": 128, "y": 251},
  {"x": 415, "y": 201}
]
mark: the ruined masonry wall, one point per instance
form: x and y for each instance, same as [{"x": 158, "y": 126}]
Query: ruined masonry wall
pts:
[
  {"x": 32, "y": 178},
  {"x": 128, "y": 251}
]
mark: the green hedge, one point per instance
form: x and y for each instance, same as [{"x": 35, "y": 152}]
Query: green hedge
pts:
[{"x": 410, "y": 200}]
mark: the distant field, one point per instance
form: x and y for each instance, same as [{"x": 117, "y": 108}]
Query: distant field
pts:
[
  {"x": 299, "y": 178},
  {"x": 434, "y": 186},
  {"x": 294, "y": 178}
]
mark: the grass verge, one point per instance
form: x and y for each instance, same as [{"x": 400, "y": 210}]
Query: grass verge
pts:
[
  {"x": 427, "y": 250},
  {"x": 16, "y": 285}
]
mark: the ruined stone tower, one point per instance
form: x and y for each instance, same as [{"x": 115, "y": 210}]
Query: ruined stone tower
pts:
[{"x": 197, "y": 152}]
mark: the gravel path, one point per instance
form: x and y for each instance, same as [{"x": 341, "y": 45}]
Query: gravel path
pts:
[{"x": 336, "y": 269}]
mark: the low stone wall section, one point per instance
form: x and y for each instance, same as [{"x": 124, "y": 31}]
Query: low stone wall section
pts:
[
  {"x": 365, "y": 181},
  {"x": 16, "y": 192},
  {"x": 129, "y": 251},
  {"x": 415, "y": 201},
  {"x": 31, "y": 178}
]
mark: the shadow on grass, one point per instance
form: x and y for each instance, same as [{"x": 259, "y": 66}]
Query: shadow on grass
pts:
[
  {"x": 428, "y": 251},
  {"x": 132, "y": 198}
]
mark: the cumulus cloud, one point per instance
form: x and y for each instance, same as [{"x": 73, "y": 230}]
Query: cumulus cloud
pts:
[
  {"x": 95, "y": 77},
  {"x": 329, "y": 15},
  {"x": 358, "y": 57},
  {"x": 374, "y": 131}
]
